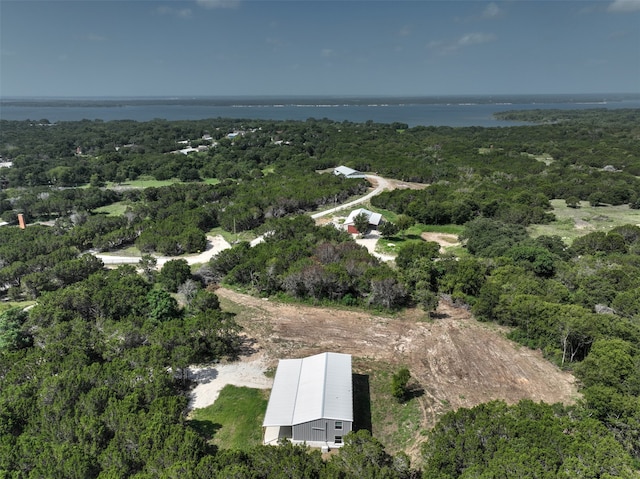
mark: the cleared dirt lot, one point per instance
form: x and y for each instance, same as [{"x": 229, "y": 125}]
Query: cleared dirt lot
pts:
[
  {"x": 445, "y": 240},
  {"x": 456, "y": 360}
]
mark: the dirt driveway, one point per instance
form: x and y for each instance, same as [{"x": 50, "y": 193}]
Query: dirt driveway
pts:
[{"x": 456, "y": 360}]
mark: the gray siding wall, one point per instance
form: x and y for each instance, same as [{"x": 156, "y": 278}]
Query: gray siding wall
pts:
[{"x": 320, "y": 430}]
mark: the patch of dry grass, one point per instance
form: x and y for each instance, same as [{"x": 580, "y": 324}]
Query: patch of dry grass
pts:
[{"x": 572, "y": 223}]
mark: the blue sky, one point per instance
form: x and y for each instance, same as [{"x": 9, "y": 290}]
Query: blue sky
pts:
[{"x": 308, "y": 47}]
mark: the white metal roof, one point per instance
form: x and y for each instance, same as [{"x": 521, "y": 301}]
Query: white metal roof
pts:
[
  {"x": 374, "y": 218},
  {"x": 311, "y": 388},
  {"x": 346, "y": 171}
]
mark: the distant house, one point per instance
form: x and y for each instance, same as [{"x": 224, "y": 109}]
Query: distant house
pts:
[
  {"x": 374, "y": 220},
  {"x": 311, "y": 401},
  {"x": 348, "y": 172}
]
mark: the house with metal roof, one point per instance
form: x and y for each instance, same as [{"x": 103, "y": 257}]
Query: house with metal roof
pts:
[
  {"x": 374, "y": 220},
  {"x": 347, "y": 172},
  {"x": 311, "y": 401}
]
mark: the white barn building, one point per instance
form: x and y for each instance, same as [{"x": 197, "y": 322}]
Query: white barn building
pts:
[
  {"x": 348, "y": 172},
  {"x": 375, "y": 219},
  {"x": 311, "y": 401}
]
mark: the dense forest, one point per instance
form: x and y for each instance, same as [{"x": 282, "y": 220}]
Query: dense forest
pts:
[{"x": 92, "y": 379}]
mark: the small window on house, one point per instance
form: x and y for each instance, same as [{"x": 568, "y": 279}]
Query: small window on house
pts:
[
  {"x": 337, "y": 440},
  {"x": 338, "y": 425}
]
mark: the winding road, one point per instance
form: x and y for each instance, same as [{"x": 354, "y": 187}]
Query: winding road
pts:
[
  {"x": 381, "y": 183},
  {"x": 215, "y": 244}
]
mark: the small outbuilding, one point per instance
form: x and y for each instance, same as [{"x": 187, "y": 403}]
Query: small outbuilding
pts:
[
  {"x": 311, "y": 401},
  {"x": 348, "y": 172},
  {"x": 374, "y": 220}
]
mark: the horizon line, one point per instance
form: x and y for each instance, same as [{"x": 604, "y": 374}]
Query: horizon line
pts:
[{"x": 305, "y": 95}]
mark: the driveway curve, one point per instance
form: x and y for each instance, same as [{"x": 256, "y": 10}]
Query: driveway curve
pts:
[
  {"x": 215, "y": 244},
  {"x": 381, "y": 183}
]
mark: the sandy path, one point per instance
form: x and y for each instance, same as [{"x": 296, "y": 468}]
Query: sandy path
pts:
[
  {"x": 369, "y": 241},
  {"x": 381, "y": 184},
  {"x": 215, "y": 244}
]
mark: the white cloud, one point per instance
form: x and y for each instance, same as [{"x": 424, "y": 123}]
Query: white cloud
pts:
[
  {"x": 218, "y": 3},
  {"x": 475, "y": 39},
  {"x": 464, "y": 41},
  {"x": 624, "y": 6},
  {"x": 181, "y": 13},
  {"x": 276, "y": 42},
  {"x": 327, "y": 52},
  {"x": 492, "y": 11},
  {"x": 92, "y": 37},
  {"x": 405, "y": 31}
]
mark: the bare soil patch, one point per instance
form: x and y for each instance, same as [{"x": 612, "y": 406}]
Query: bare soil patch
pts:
[
  {"x": 210, "y": 379},
  {"x": 404, "y": 185},
  {"x": 445, "y": 240},
  {"x": 457, "y": 361}
]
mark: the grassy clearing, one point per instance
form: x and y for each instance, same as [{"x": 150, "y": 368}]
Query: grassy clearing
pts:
[
  {"x": 150, "y": 182},
  {"x": 246, "y": 315},
  {"x": 234, "y": 421},
  {"x": 389, "y": 246},
  {"x": 572, "y": 223},
  {"x": 142, "y": 183},
  {"x": 386, "y": 214},
  {"x": 448, "y": 229},
  {"x": 130, "y": 251},
  {"x": 232, "y": 238},
  {"x": 392, "y": 245},
  {"x": 395, "y": 424},
  {"x": 5, "y": 306},
  {"x": 114, "y": 209},
  {"x": 545, "y": 158}
]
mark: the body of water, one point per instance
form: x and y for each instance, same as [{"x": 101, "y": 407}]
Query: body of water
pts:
[{"x": 425, "y": 111}]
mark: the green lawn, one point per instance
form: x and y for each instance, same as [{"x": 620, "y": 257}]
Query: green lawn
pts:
[
  {"x": 234, "y": 421},
  {"x": 388, "y": 215},
  {"x": 572, "y": 223},
  {"x": 5, "y": 306},
  {"x": 114, "y": 209},
  {"x": 143, "y": 183},
  {"x": 449, "y": 229},
  {"x": 148, "y": 182}
]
